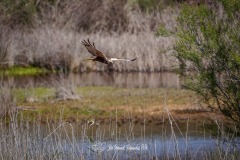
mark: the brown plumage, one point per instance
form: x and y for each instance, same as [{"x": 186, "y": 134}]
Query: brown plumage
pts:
[{"x": 99, "y": 56}]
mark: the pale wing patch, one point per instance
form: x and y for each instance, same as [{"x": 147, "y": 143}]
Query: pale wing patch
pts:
[{"x": 122, "y": 59}]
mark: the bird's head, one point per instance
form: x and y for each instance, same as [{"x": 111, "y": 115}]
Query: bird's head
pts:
[{"x": 110, "y": 62}]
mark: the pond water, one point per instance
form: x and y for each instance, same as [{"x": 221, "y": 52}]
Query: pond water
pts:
[
  {"x": 125, "y": 141},
  {"x": 150, "y": 148},
  {"x": 126, "y": 80},
  {"x": 66, "y": 140},
  {"x": 129, "y": 141}
]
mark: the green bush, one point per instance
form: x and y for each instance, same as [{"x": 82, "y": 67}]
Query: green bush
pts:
[
  {"x": 163, "y": 31},
  {"x": 18, "y": 12},
  {"x": 151, "y": 5},
  {"x": 209, "y": 47}
]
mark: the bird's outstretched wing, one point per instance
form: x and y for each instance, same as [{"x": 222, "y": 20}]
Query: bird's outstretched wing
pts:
[
  {"x": 92, "y": 49},
  {"x": 122, "y": 59}
]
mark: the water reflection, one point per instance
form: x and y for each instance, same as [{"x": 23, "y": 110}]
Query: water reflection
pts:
[
  {"x": 133, "y": 141},
  {"x": 127, "y": 80},
  {"x": 154, "y": 147}
]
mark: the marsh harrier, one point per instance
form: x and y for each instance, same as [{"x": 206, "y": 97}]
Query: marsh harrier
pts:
[{"x": 99, "y": 56}]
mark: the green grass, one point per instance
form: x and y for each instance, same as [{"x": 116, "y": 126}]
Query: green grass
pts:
[
  {"x": 99, "y": 101},
  {"x": 40, "y": 93},
  {"x": 153, "y": 5},
  {"x": 20, "y": 71},
  {"x": 163, "y": 31}
]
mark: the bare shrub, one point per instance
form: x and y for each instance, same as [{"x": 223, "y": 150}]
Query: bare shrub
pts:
[{"x": 65, "y": 88}]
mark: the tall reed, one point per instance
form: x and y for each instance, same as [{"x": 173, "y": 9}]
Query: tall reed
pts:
[
  {"x": 121, "y": 139},
  {"x": 54, "y": 42}
]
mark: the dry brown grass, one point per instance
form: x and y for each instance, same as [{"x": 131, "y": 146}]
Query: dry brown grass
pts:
[
  {"x": 54, "y": 48},
  {"x": 118, "y": 29}
]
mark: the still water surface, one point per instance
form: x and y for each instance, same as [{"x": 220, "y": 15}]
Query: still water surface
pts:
[
  {"x": 139, "y": 141},
  {"x": 126, "y": 80}
]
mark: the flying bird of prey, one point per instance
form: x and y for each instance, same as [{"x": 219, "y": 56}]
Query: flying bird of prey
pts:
[{"x": 99, "y": 56}]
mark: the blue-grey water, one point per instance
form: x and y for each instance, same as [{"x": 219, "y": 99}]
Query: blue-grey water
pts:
[
  {"x": 149, "y": 148},
  {"x": 157, "y": 141}
]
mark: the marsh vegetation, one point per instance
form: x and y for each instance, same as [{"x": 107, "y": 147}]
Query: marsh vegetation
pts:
[
  {"x": 54, "y": 105},
  {"x": 109, "y": 122},
  {"x": 48, "y": 34}
]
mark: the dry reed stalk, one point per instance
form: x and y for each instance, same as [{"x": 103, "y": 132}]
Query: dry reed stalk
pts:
[
  {"x": 55, "y": 42},
  {"x": 7, "y": 101},
  {"x": 62, "y": 50},
  {"x": 61, "y": 140}
]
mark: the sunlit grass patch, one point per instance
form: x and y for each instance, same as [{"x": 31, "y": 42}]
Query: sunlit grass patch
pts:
[
  {"x": 20, "y": 71},
  {"x": 100, "y": 101},
  {"x": 39, "y": 94}
]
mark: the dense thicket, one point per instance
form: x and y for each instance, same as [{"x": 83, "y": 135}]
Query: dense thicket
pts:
[{"x": 209, "y": 46}]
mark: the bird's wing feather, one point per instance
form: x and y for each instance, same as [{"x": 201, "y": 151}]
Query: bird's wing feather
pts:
[
  {"x": 92, "y": 49},
  {"x": 122, "y": 59}
]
